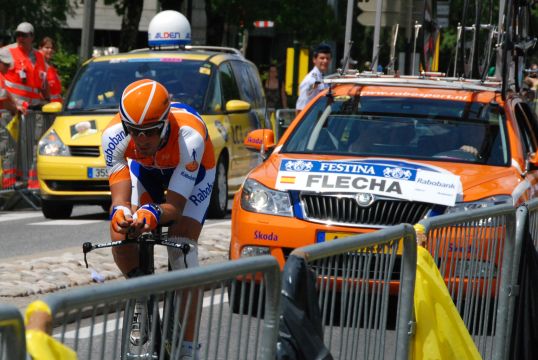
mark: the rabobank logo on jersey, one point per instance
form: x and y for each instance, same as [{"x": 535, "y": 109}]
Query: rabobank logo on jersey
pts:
[
  {"x": 111, "y": 142},
  {"x": 201, "y": 195}
]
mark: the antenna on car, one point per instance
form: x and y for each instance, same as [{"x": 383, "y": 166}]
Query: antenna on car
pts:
[{"x": 345, "y": 62}]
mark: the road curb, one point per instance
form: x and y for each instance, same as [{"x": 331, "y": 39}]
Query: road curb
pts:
[{"x": 67, "y": 269}]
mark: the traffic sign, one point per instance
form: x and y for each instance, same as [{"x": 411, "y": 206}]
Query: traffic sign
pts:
[
  {"x": 264, "y": 24},
  {"x": 388, "y": 5},
  {"x": 391, "y": 18}
]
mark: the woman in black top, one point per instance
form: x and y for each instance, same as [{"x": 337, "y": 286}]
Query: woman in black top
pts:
[{"x": 274, "y": 90}]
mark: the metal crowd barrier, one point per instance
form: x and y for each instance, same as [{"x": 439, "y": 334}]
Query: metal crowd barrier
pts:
[
  {"x": 12, "y": 338},
  {"x": 362, "y": 281},
  {"x": 90, "y": 320},
  {"x": 18, "y": 149},
  {"x": 474, "y": 251},
  {"x": 532, "y": 207}
]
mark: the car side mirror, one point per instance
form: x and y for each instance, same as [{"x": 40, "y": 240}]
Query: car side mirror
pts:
[
  {"x": 260, "y": 140},
  {"x": 532, "y": 161},
  {"x": 51, "y": 108},
  {"x": 237, "y": 106}
]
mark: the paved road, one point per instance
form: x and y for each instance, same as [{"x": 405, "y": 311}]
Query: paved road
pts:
[{"x": 40, "y": 256}]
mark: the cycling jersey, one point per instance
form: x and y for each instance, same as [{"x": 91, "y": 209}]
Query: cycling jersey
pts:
[{"x": 185, "y": 164}]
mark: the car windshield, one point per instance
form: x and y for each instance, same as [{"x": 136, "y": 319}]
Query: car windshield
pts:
[
  {"x": 99, "y": 85},
  {"x": 403, "y": 128}
]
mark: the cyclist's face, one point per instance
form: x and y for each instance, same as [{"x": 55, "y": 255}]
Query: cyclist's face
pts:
[{"x": 147, "y": 145}]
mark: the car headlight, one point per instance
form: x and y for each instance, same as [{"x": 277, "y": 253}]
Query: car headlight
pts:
[
  {"x": 483, "y": 203},
  {"x": 52, "y": 145},
  {"x": 260, "y": 199},
  {"x": 249, "y": 251}
]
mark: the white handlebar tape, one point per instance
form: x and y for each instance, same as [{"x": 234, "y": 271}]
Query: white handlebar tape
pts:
[{"x": 176, "y": 257}]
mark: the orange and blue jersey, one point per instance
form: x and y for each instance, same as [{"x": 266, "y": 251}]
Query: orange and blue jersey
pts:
[{"x": 185, "y": 164}]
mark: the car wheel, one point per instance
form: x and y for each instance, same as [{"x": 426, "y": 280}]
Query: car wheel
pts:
[
  {"x": 56, "y": 210},
  {"x": 218, "y": 204}
]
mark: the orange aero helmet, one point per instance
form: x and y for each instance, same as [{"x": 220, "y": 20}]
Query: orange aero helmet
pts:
[{"x": 145, "y": 102}]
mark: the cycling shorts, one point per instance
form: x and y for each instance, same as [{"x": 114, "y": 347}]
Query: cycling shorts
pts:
[{"x": 149, "y": 185}]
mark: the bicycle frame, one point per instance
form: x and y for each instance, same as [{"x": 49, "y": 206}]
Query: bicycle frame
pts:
[{"x": 149, "y": 342}]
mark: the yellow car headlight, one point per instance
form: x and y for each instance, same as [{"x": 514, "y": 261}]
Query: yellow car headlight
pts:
[{"x": 52, "y": 145}]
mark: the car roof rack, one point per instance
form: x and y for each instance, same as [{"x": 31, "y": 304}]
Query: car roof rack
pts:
[
  {"x": 415, "y": 81},
  {"x": 227, "y": 50}
]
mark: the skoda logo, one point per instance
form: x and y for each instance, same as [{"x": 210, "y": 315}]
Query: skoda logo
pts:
[{"x": 364, "y": 199}]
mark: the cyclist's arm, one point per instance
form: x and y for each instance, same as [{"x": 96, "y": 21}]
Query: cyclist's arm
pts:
[
  {"x": 114, "y": 142},
  {"x": 172, "y": 209},
  {"x": 121, "y": 193}
]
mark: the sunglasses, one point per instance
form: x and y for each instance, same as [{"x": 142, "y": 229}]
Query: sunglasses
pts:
[
  {"x": 148, "y": 131},
  {"x": 24, "y": 35}
]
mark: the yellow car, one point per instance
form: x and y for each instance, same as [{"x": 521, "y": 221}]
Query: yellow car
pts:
[{"x": 219, "y": 83}]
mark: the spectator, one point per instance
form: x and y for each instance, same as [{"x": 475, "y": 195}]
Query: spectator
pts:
[
  {"x": 6, "y": 99},
  {"x": 274, "y": 90},
  {"x": 47, "y": 47},
  {"x": 313, "y": 84},
  {"x": 26, "y": 80}
]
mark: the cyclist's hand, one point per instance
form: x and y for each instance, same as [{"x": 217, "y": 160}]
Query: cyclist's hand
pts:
[
  {"x": 147, "y": 217},
  {"x": 121, "y": 219}
]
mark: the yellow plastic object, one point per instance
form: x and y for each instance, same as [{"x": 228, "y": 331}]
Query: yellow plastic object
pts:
[
  {"x": 13, "y": 127},
  {"x": 37, "y": 305},
  {"x": 440, "y": 331},
  {"x": 41, "y": 346},
  {"x": 420, "y": 231}
]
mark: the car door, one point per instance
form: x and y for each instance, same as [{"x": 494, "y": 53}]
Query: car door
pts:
[{"x": 239, "y": 124}]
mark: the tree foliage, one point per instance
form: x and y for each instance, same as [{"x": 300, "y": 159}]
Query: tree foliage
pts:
[
  {"x": 306, "y": 21},
  {"x": 47, "y": 16}
]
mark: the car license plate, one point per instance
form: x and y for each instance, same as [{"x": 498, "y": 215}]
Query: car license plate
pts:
[
  {"x": 97, "y": 173},
  {"x": 332, "y": 235},
  {"x": 323, "y": 236}
]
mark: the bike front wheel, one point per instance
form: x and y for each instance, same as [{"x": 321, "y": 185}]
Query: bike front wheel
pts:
[{"x": 141, "y": 332}]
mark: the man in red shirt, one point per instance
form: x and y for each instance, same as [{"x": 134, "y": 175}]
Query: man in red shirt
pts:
[
  {"x": 6, "y": 100},
  {"x": 26, "y": 80}
]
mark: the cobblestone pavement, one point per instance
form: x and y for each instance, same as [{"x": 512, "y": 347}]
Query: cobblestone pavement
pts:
[{"x": 32, "y": 278}]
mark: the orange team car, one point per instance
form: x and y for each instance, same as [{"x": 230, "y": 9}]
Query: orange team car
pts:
[{"x": 374, "y": 152}]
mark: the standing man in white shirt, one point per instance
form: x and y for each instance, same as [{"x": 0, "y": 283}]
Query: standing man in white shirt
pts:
[{"x": 313, "y": 84}]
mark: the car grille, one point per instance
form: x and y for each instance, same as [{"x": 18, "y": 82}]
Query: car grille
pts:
[
  {"x": 85, "y": 151},
  {"x": 344, "y": 210},
  {"x": 92, "y": 185}
]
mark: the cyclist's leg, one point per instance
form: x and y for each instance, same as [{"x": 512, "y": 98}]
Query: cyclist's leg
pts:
[
  {"x": 188, "y": 230},
  {"x": 193, "y": 217}
]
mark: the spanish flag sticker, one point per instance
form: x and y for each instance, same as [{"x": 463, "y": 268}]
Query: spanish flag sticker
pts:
[{"x": 287, "y": 180}]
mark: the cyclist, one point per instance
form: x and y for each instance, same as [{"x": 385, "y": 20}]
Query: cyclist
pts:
[{"x": 151, "y": 146}]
